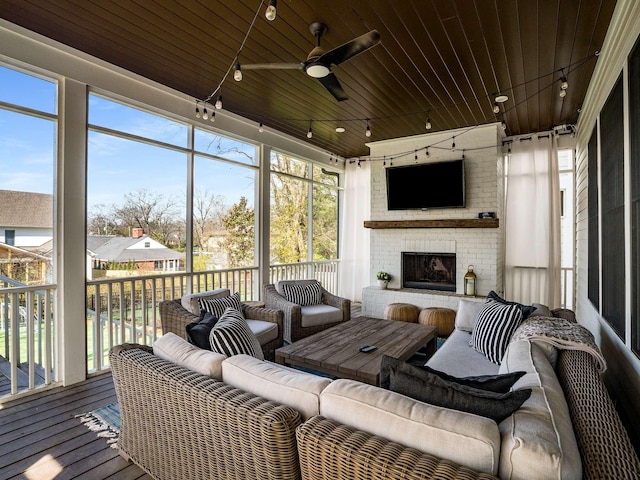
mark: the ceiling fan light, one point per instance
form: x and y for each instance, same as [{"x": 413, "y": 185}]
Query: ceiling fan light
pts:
[
  {"x": 270, "y": 12},
  {"x": 318, "y": 70}
]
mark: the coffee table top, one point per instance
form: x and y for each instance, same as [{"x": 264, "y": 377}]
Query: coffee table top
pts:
[{"x": 336, "y": 350}]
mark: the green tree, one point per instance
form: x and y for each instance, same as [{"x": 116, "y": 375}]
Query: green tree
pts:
[{"x": 239, "y": 242}]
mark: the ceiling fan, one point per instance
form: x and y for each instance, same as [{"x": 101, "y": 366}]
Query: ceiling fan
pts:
[{"x": 318, "y": 63}]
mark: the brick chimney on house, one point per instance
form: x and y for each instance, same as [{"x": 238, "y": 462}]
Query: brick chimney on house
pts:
[{"x": 137, "y": 232}]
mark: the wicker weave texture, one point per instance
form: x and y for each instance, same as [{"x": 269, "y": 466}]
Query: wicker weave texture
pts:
[
  {"x": 174, "y": 318},
  {"x": 604, "y": 444},
  {"x": 177, "y": 424},
  {"x": 329, "y": 451},
  {"x": 293, "y": 329}
]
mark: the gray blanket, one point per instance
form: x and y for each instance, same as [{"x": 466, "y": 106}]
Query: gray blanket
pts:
[{"x": 561, "y": 334}]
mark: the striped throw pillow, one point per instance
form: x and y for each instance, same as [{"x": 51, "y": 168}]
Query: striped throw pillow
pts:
[
  {"x": 217, "y": 306},
  {"x": 494, "y": 328},
  {"x": 303, "y": 295},
  {"x": 231, "y": 336}
]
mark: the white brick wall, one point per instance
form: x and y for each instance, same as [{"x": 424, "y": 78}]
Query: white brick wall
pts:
[{"x": 480, "y": 247}]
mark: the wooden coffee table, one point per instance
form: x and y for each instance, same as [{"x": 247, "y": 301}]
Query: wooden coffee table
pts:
[{"x": 335, "y": 351}]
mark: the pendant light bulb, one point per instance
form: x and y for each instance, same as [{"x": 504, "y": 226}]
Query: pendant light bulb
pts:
[
  {"x": 453, "y": 145},
  {"x": 309, "y": 133},
  {"x": 428, "y": 124},
  {"x": 564, "y": 85},
  {"x": 496, "y": 108},
  {"x": 270, "y": 13},
  {"x": 213, "y": 115},
  {"x": 219, "y": 102},
  {"x": 261, "y": 128},
  {"x": 368, "y": 130},
  {"x": 563, "y": 93},
  {"x": 205, "y": 114},
  {"x": 197, "y": 111},
  {"x": 237, "y": 73}
]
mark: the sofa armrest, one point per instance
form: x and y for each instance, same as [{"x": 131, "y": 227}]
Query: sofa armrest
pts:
[
  {"x": 343, "y": 304},
  {"x": 330, "y": 451},
  {"x": 167, "y": 411},
  {"x": 605, "y": 447},
  {"x": 174, "y": 318}
]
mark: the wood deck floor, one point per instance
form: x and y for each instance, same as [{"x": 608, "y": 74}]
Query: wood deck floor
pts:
[{"x": 41, "y": 438}]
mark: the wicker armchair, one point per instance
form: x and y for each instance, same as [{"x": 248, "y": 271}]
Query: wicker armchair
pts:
[
  {"x": 174, "y": 318},
  {"x": 294, "y": 327}
]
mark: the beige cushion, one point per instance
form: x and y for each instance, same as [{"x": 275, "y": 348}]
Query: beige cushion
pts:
[
  {"x": 456, "y": 357},
  {"x": 467, "y": 313},
  {"x": 175, "y": 349},
  {"x": 190, "y": 302},
  {"x": 296, "y": 389},
  {"x": 464, "y": 438},
  {"x": 538, "y": 439},
  {"x": 313, "y": 315},
  {"x": 263, "y": 330}
]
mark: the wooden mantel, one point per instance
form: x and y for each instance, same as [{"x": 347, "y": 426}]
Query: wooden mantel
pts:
[{"x": 452, "y": 223}]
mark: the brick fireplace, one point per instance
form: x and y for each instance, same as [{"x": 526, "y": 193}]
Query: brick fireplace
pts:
[{"x": 481, "y": 247}]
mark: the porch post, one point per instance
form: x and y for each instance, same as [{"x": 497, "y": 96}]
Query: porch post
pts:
[{"x": 70, "y": 217}]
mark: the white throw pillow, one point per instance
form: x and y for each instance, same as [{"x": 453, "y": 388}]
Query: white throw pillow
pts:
[
  {"x": 467, "y": 314},
  {"x": 190, "y": 302},
  {"x": 175, "y": 349}
]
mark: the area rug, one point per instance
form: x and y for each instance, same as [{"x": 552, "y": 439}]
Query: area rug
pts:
[{"x": 105, "y": 421}]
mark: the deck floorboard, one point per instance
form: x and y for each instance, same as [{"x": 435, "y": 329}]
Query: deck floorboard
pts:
[{"x": 42, "y": 437}]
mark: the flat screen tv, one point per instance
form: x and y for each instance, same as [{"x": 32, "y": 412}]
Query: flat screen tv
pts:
[{"x": 426, "y": 185}]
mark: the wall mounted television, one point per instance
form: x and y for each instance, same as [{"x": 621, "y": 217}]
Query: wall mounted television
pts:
[{"x": 426, "y": 185}]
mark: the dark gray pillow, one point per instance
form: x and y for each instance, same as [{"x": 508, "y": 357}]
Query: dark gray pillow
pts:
[
  {"x": 526, "y": 309},
  {"x": 428, "y": 387},
  {"x": 198, "y": 332},
  {"x": 499, "y": 383}
]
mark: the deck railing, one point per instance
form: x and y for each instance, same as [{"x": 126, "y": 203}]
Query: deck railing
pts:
[
  {"x": 26, "y": 336},
  {"x": 126, "y": 309}
]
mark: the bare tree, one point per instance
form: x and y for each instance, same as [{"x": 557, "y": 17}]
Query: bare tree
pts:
[{"x": 208, "y": 210}]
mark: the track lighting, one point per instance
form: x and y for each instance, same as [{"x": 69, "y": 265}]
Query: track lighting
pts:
[
  {"x": 428, "y": 124},
  {"x": 205, "y": 114},
  {"x": 219, "y": 102},
  {"x": 270, "y": 12},
  {"x": 197, "y": 111},
  {"x": 237, "y": 73},
  {"x": 368, "y": 130},
  {"x": 496, "y": 108}
]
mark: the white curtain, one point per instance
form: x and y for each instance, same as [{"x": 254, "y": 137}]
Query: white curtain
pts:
[
  {"x": 354, "y": 238},
  {"x": 532, "y": 222}
]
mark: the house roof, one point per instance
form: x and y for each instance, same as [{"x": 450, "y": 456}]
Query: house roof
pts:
[
  {"x": 110, "y": 248},
  {"x": 26, "y": 210}
]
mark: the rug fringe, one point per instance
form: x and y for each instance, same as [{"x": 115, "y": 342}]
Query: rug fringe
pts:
[{"x": 103, "y": 429}]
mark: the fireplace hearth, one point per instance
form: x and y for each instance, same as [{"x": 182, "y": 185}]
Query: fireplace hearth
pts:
[{"x": 431, "y": 271}]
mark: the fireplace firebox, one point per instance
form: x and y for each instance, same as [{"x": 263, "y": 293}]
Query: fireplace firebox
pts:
[{"x": 432, "y": 271}]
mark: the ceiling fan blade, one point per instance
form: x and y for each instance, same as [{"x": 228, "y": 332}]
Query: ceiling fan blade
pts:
[
  {"x": 273, "y": 66},
  {"x": 331, "y": 83},
  {"x": 350, "y": 49}
]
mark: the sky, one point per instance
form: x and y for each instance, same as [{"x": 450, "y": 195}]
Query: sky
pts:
[{"x": 116, "y": 166}]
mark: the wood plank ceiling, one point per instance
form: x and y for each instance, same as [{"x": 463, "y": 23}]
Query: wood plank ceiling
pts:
[{"x": 442, "y": 59}]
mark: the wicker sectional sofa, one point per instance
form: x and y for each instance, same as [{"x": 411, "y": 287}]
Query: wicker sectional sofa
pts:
[{"x": 177, "y": 423}]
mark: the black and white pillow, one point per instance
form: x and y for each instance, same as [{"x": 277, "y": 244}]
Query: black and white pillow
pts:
[
  {"x": 303, "y": 295},
  {"x": 494, "y": 328},
  {"x": 231, "y": 336},
  {"x": 217, "y": 306}
]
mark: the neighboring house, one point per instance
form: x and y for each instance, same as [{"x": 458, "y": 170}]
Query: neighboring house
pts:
[
  {"x": 138, "y": 252},
  {"x": 26, "y": 221}
]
